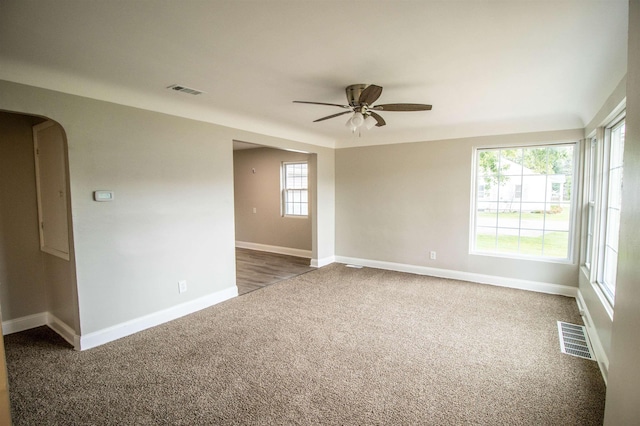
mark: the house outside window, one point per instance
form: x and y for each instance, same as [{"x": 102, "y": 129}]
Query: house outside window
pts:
[
  {"x": 295, "y": 191},
  {"x": 527, "y": 204}
]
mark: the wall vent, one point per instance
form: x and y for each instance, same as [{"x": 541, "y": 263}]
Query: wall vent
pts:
[
  {"x": 574, "y": 340},
  {"x": 185, "y": 89}
]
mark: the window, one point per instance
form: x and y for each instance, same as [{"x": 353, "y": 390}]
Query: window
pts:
[
  {"x": 591, "y": 185},
  {"x": 523, "y": 203},
  {"x": 295, "y": 191},
  {"x": 603, "y": 180},
  {"x": 611, "y": 227}
]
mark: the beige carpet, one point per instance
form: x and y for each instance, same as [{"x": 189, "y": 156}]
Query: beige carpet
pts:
[{"x": 334, "y": 346}]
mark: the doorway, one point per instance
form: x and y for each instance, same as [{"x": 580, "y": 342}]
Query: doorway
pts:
[
  {"x": 272, "y": 243},
  {"x": 37, "y": 269}
]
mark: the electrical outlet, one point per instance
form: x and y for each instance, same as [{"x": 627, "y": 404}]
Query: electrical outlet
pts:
[
  {"x": 255, "y": 210},
  {"x": 182, "y": 286},
  {"x": 432, "y": 255}
]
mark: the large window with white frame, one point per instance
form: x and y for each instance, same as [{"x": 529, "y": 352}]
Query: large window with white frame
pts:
[
  {"x": 523, "y": 201},
  {"x": 295, "y": 191},
  {"x": 604, "y": 169}
]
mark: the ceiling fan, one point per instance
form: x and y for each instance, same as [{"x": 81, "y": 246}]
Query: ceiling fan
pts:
[{"x": 361, "y": 98}]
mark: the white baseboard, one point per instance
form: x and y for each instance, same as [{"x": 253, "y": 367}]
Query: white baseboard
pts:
[
  {"x": 118, "y": 331},
  {"x": 319, "y": 263},
  {"x": 594, "y": 338},
  {"x": 63, "y": 330},
  {"x": 274, "y": 249},
  {"x": 109, "y": 334},
  {"x": 536, "y": 286},
  {"x": 24, "y": 323},
  {"x": 37, "y": 320}
]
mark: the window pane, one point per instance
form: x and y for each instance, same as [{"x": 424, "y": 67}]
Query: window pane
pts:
[
  {"x": 534, "y": 189},
  {"x": 613, "y": 227},
  {"x": 487, "y": 216},
  {"x": 485, "y": 239},
  {"x": 556, "y": 244},
  {"x": 531, "y": 242},
  {"x": 295, "y": 189},
  {"x": 614, "y": 200},
  {"x": 525, "y": 195},
  {"x": 558, "y": 217},
  {"x": 508, "y": 240}
]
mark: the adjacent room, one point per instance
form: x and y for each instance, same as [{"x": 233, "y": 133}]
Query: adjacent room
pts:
[
  {"x": 272, "y": 218},
  {"x": 319, "y": 212}
]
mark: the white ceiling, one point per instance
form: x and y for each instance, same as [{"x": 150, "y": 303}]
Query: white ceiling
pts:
[{"x": 487, "y": 67}]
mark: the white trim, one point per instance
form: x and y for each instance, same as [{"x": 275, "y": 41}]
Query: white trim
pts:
[
  {"x": 596, "y": 344},
  {"x": 109, "y": 334},
  {"x": 536, "y": 286},
  {"x": 38, "y": 320},
  {"x": 118, "y": 331},
  {"x": 24, "y": 323},
  {"x": 319, "y": 263},
  {"x": 274, "y": 249},
  {"x": 63, "y": 330}
]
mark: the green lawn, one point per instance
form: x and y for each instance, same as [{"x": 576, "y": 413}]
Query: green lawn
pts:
[
  {"x": 562, "y": 216},
  {"x": 556, "y": 244}
]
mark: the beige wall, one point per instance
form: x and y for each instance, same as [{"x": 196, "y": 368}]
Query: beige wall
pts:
[
  {"x": 261, "y": 190},
  {"x": 173, "y": 216},
  {"x": 623, "y": 407},
  {"x": 396, "y": 203},
  {"x": 33, "y": 282},
  {"x": 22, "y": 276}
]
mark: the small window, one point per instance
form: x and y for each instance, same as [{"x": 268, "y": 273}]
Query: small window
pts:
[
  {"x": 295, "y": 190},
  {"x": 523, "y": 205}
]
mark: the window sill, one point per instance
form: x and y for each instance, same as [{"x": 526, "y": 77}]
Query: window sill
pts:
[
  {"x": 598, "y": 291},
  {"x": 526, "y": 258}
]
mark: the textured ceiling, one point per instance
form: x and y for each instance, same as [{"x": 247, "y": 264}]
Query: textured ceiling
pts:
[{"x": 487, "y": 67}]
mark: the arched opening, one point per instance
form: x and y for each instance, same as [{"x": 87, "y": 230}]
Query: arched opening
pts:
[{"x": 37, "y": 264}]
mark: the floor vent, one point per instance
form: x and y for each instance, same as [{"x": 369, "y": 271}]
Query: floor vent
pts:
[{"x": 574, "y": 340}]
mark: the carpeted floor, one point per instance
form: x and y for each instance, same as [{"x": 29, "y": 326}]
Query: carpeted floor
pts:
[{"x": 333, "y": 346}]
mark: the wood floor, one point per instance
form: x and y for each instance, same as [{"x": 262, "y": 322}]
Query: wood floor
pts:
[{"x": 257, "y": 269}]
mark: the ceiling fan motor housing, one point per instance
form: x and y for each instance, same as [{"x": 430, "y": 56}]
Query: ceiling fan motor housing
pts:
[{"x": 353, "y": 93}]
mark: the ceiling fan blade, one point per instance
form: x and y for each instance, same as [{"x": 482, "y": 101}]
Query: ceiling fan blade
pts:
[
  {"x": 379, "y": 119},
  {"x": 322, "y": 103},
  {"x": 370, "y": 94},
  {"x": 402, "y": 107},
  {"x": 332, "y": 116}
]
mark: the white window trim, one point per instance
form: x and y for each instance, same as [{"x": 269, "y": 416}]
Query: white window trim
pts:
[
  {"x": 604, "y": 206},
  {"x": 283, "y": 191},
  {"x": 572, "y": 254}
]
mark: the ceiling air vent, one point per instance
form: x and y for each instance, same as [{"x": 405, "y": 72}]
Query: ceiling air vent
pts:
[{"x": 185, "y": 89}]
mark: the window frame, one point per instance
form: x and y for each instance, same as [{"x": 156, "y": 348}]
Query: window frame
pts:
[
  {"x": 285, "y": 190},
  {"x": 605, "y": 208},
  {"x": 571, "y": 249},
  {"x": 593, "y": 260}
]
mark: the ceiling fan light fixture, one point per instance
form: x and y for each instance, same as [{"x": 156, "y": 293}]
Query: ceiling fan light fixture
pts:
[
  {"x": 355, "y": 122},
  {"x": 350, "y": 125},
  {"x": 357, "y": 119},
  {"x": 370, "y": 122}
]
